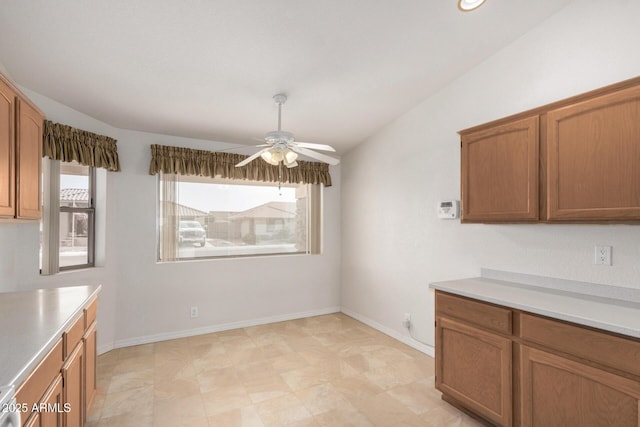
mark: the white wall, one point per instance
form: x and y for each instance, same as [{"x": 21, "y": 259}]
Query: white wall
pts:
[
  {"x": 155, "y": 298},
  {"x": 143, "y": 300},
  {"x": 393, "y": 245}
]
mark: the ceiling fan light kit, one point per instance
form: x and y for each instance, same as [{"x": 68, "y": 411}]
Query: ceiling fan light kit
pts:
[
  {"x": 469, "y": 5},
  {"x": 276, "y": 155},
  {"x": 283, "y": 148}
]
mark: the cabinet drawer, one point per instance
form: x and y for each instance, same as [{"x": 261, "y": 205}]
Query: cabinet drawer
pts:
[
  {"x": 478, "y": 313},
  {"x": 34, "y": 387},
  {"x": 73, "y": 335},
  {"x": 600, "y": 347},
  {"x": 90, "y": 313}
]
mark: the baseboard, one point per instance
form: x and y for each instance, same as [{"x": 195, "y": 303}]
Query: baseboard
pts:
[
  {"x": 105, "y": 348},
  {"x": 426, "y": 349},
  {"x": 147, "y": 339}
]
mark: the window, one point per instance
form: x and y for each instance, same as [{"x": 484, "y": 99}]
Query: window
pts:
[
  {"x": 68, "y": 223},
  {"x": 201, "y": 217}
]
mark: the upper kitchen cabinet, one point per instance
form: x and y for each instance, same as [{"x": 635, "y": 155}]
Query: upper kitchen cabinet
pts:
[
  {"x": 593, "y": 158},
  {"x": 20, "y": 154},
  {"x": 28, "y": 161},
  {"x": 7, "y": 151},
  {"x": 500, "y": 172},
  {"x": 575, "y": 160}
]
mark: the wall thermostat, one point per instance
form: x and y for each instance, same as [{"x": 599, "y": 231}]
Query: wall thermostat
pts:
[{"x": 449, "y": 209}]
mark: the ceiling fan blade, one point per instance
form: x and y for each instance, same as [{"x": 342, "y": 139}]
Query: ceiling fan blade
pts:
[
  {"x": 314, "y": 146},
  {"x": 251, "y": 158},
  {"x": 318, "y": 156}
]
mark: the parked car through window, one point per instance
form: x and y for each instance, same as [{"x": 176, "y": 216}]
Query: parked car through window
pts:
[{"x": 192, "y": 232}]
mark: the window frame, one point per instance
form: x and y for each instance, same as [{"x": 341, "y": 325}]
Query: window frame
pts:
[
  {"x": 313, "y": 221},
  {"x": 52, "y": 211},
  {"x": 90, "y": 210}
]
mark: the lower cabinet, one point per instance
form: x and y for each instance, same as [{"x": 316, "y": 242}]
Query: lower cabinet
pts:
[
  {"x": 561, "y": 392},
  {"x": 33, "y": 421},
  {"x": 510, "y": 367},
  {"x": 60, "y": 390},
  {"x": 73, "y": 391},
  {"x": 89, "y": 341},
  {"x": 474, "y": 368},
  {"x": 53, "y": 400},
  {"x": 51, "y": 407}
]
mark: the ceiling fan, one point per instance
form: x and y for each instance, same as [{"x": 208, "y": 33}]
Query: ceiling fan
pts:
[{"x": 281, "y": 145}]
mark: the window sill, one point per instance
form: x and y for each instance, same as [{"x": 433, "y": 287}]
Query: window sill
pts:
[{"x": 233, "y": 257}]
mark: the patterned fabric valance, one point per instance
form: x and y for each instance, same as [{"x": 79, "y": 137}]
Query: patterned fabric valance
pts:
[
  {"x": 187, "y": 161},
  {"x": 65, "y": 143}
]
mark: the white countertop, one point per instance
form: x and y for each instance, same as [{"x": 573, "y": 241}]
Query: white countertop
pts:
[
  {"x": 613, "y": 315},
  {"x": 32, "y": 322}
]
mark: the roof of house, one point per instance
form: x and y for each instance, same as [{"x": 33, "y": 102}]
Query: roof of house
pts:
[
  {"x": 82, "y": 195},
  {"x": 74, "y": 195},
  {"x": 185, "y": 211},
  {"x": 286, "y": 210},
  {"x": 273, "y": 210}
]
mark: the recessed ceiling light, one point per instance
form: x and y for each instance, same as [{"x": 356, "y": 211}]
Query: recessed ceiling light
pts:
[{"x": 469, "y": 5}]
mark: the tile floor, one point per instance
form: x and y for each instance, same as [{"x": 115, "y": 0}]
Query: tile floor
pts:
[{"x": 321, "y": 371}]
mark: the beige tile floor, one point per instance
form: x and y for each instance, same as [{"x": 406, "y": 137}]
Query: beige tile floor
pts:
[{"x": 321, "y": 371}]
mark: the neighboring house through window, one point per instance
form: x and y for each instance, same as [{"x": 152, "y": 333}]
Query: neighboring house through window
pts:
[{"x": 202, "y": 217}]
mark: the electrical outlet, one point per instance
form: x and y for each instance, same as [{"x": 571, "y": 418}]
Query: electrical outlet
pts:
[
  {"x": 194, "y": 312},
  {"x": 602, "y": 255},
  {"x": 406, "y": 321}
]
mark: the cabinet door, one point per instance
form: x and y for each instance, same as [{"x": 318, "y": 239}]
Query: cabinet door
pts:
[
  {"x": 7, "y": 151},
  {"x": 90, "y": 354},
  {"x": 593, "y": 158},
  {"x": 32, "y": 421},
  {"x": 29, "y": 160},
  {"x": 559, "y": 392},
  {"x": 500, "y": 173},
  {"x": 52, "y": 415},
  {"x": 73, "y": 390},
  {"x": 474, "y": 368}
]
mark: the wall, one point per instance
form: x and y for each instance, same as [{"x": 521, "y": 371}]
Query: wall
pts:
[
  {"x": 393, "y": 245},
  {"x": 155, "y": 298},
  {"x": 144, "y": 301}
]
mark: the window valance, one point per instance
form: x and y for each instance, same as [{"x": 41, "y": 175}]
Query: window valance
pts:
[
  {"x": 66, "y": 143},
  {"x": 187, "y": 161}
]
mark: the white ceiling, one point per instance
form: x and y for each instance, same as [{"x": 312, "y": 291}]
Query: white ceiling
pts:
[{"x": 208, "y": 68}]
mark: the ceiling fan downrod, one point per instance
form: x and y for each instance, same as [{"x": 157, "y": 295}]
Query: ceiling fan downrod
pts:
[{"x": 280, "y": 99}]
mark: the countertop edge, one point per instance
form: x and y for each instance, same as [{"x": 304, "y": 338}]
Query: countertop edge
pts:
[
  {"x": 23, "y": 374},
  {"x": 614, "y": 328}
]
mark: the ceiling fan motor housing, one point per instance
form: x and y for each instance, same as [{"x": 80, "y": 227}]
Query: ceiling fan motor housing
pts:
[
  {"x": 279, "y": 136},
  {"x": 280, "y": 98}
]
